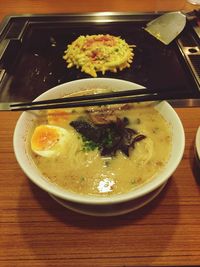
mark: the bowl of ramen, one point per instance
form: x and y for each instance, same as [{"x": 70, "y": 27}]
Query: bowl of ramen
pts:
[{"x": 100, "y": 160}]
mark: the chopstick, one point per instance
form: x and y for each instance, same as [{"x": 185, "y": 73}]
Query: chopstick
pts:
[{"x": 119, "y": 97}]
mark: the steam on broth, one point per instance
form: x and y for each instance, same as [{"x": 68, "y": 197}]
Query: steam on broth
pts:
[{"x": 102, "y": 150}]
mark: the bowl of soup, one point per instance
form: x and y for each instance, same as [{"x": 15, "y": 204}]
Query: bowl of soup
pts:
[{"x": 108, "y": 158}]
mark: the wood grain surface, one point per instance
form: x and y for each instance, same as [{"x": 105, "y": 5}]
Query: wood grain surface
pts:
[
  {"x": 68, "y": 6},
  {"x": 36, "y": 231}
]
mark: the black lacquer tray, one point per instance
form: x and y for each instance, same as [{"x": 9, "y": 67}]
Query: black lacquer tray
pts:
[{"x": 32, "y": 47}]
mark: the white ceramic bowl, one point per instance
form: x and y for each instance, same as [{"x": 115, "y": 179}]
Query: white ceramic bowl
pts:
[{"x": 26, "y": 122}]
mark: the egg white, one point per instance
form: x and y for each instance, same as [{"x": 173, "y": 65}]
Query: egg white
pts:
[{"x": 55, "y": 148}]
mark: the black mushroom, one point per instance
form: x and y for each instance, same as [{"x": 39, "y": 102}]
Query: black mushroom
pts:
[{"x": 109, "y": 137}]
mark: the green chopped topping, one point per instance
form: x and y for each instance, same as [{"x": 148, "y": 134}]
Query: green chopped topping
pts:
[
  {"x": 137, "y": 121},
  {"x": 88, "y": 145},
  {"x": 107, "y": 163},
  {"x": 108, "y": 140},
  {"x": 82, "y": 179},
  {"x": 133, "y": 181}
]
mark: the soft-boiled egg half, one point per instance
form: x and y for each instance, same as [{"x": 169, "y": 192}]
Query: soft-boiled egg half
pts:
[{"x": 49, "y": 140}]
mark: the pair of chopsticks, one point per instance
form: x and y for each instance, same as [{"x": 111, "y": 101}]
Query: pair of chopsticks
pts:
[{"x": 119, "y": 97}]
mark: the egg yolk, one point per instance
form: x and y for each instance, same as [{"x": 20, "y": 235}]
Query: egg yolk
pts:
[{"x": 44, "y": 137}]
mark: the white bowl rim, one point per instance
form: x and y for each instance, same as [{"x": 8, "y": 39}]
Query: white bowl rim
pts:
[
  {"x": 197, "y": 142},
  {"x": 96, "y": 200}
]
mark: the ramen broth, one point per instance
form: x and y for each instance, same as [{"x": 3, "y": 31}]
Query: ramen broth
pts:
[{"x": 85, "y": 171}]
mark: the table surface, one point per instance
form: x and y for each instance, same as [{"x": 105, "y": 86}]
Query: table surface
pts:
[{"x": 36, "y": 231}]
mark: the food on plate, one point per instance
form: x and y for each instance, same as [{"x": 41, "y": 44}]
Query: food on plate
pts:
[
  {"x": 102, "y": 150},
  {"x": 99, "y": 53}
]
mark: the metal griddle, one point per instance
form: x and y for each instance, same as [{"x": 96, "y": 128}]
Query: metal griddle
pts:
[{"x": 32, "y": 46}]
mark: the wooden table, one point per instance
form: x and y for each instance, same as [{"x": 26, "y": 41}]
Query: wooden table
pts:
[{"x": 36, "y": 231}]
